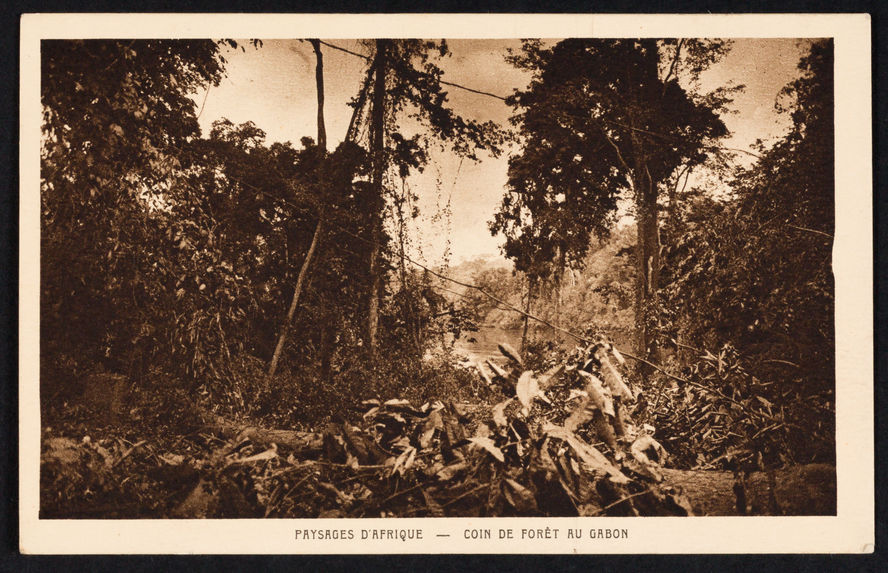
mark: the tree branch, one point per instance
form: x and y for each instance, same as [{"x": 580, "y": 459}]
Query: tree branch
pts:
[{"x": 672, "y": 66}]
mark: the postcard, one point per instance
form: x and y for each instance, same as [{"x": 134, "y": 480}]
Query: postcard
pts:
[{"x": 385, "y": 283}]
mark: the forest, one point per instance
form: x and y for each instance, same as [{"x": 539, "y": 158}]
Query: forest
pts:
[{"x": 237, "y": 327}]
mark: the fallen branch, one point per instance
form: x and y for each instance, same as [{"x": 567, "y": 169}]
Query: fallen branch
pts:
[{"x": 302, "y": 443}]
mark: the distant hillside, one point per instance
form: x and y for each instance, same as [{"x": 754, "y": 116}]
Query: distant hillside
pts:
[
  {"x": 468, "y": 269},
  {"x": 599, "y": 294}
]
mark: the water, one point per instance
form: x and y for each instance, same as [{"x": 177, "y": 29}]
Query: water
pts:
[{"x": 481, "y": 345}]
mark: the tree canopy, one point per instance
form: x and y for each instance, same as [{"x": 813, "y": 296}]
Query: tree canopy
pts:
[{"x": 601, "y": 118}]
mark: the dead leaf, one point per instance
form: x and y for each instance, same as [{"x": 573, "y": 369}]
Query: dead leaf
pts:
[
  {"x": 613, "y": 378},
  {"x": 497, "y": 371},
  {"x": 499, "y": 416},
  {"x": 590, "y": 456},
  {"x": 576, "y": 393},
  {"x": 598, "y": 393},
  {"x": 449, "y": 472},
  {"x": 546, "y": 379},
  {"x": 525, "y": 389},
  {"x": 519, "y": 496},
  {"x": 432, "y": 423},
  {"x": 404, "y": 461},
  {"x": 488, "y": 445},
  {"x": 509, "y": 352},
  {"x": 484, "y": 375},
  {"x": 172, "y": 459},
  {"x": 620, "y": 360},
  {"x": 647, "y": 450},
  {"x": 268, "y": 454}
]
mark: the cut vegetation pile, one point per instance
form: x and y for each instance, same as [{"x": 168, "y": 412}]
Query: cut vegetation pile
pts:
[{"x": 561, "y": 443}]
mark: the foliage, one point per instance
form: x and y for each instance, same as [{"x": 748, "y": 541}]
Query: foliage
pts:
[
  {"x": 601, "y": 117},
  {"x": 414, "y": 90},
  {"x": 723, "y": 416},
  {"x": 115, "y": 115},
  {"x": 408, "y": 114},
  {"x": 171, "y": 257},
  {"x": 755, "y": 269},
  {"x": 533, "y": 454},
  {"x": 598, "y": 294}
]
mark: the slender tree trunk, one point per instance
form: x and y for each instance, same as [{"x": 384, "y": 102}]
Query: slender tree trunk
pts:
[
  {"x": 530, "y": 283},
  {"x": 377, "y": 131},
  {"x": 300, "y": 280},
  {"x": 303, "y": 271},
  {"x": 559, "y": 281}
]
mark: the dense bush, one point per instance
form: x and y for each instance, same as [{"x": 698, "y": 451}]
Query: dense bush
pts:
[{"x": 755, "y": 270}]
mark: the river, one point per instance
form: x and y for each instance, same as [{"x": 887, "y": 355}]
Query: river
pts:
[{"x": 481, "y": 345}]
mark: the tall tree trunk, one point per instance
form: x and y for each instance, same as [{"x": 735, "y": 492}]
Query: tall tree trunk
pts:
[
  {"x": 303, "y": 271},
  {"x": 408, "y": 313},
  {"x": 377, "y": 149},
  {"x": 648, "y": 231},
  {"x": 319, "y": 79},
  {"x": 647, "y": 262}
]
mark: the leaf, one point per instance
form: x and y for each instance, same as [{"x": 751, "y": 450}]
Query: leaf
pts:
[
  {"x": 598, "y": 393},
  {"x": 432, "y": 423},
  {"x": 613, "y": 378},
  {"x": 648, "y": 470},
  {"x": 519, "y": 496},
  {"x": 650, "y": 449},
  {"x": 509, "y": 352},
  {"x": 620, "y": 360},
  {"x": 484, "y": 375},
  {"x": 576, "y": 393},
  {"x": 172, "y": 459},
  {"x": 546, "y": 379},
  {"x": 404, "y": 461},
  {"x": 650, "y": 455},
  {"x": 488, "y": 445},
  {"x": 497, "y": 371},
  {"x": 450, "y": 471},
  {"x": 499, "y": 416},
  {"x": 590, "y": 456},
  {"x": 525, "y": 389}
]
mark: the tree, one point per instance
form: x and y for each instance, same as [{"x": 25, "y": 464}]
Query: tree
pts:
[
  {"x": 755, "y": 270},
  {"x": 601, "y": 117},
  {"x": 404, "y": 83},
  {"x": 303, "y": 270},
  {"x": 116, "y": 116}
]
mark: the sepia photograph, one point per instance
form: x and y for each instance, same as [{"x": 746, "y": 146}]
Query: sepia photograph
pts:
[{"x": 341, "y": 279}]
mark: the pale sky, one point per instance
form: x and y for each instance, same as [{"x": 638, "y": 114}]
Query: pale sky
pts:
[{"x": 274, "y": 87}]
